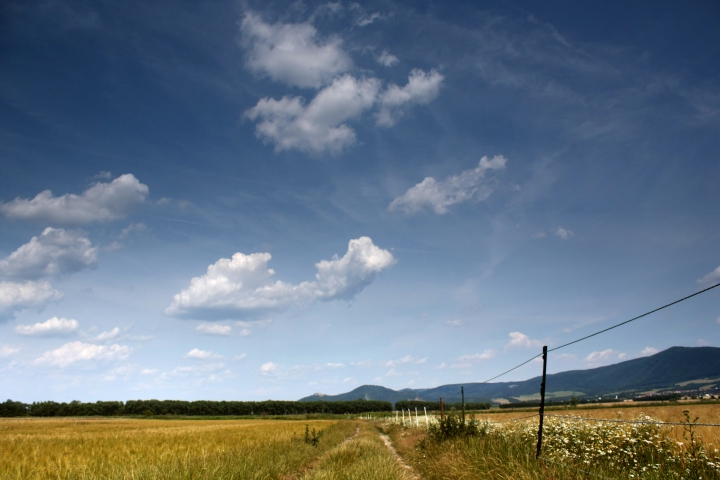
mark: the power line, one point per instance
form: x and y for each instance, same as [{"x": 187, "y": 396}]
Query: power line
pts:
[
  {"x": 592, "y": 335},
  {"x": 633, "y": 319}
]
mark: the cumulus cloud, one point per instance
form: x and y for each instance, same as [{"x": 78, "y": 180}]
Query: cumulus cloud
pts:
[
  {"x": 100, "y": 202},
  {"x": 242, "y": 285},
  {"x": 50, "y": 327},
  {"x": 207, "y": 328},
  {"x": 711, "y": 278},
  {"x": 83, "y": 352},
  {"x": 647, "y": 351},
  {"x": 198, "y": 354},
  {"x": 16, "y": 296},
  {"x": 292, "y": 53},
  {"x": 247, "y": 326},
  {"x": 521, "y": 340},
  {"x": 387, "y": 59},
  {"x": 422, "y": 88},
  {"x": 318, "y": 127},
  {"x": 437, "y": 196},
  {"x": 54, "y": 252},
  {"x": 564, "y": 233},
  {"x": 268, "y": 368},
  {"x": 486, "y": 355}
]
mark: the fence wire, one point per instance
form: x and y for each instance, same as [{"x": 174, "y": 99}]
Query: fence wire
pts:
[{"x": 617, "y": 420}]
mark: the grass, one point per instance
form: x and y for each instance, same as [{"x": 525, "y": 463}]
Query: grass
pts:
[
  {"x": 157, "y": 449},
  {"x": 503, "y": 451},
  {"x": 116, "y": 448}
]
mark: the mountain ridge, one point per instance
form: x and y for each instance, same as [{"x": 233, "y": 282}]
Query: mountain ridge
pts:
[{"x": 661, "y": 371}]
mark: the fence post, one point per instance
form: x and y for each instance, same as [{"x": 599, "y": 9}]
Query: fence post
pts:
[
  {"x": 542, "y": 403},
  {"x": 462, "y": 392}
]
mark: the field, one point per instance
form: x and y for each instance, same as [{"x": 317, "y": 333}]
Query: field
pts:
[
  {"x": 87, "y": 448},
  {"x": 571, "y": 447},
  {"x": 122, "y": 448}
]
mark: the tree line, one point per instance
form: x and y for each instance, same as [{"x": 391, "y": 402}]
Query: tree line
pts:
[
  {"x": 76, "y": 408},
  {"x": 435, "y": 406}
]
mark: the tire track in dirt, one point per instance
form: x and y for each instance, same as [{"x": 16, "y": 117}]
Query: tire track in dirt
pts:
[{"x": 410, "y": 470}]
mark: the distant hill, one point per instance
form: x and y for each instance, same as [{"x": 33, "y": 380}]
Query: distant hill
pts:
[{"x": 664, "y": 370}]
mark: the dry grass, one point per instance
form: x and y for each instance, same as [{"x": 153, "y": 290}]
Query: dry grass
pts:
[
  {"x": 161, "y": 449},
  {"x": 708, "y": 413}
]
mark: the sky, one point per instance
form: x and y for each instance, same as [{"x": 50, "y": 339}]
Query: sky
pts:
[{"x": 246, "y": 200}]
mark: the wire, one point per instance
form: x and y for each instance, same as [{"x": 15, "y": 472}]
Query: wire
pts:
[
  {"x": 633, "y": 319},
  {"x": 508, "y": 371},
  {"x": 573, "y": 468},
  {"x": 635, "y": 421}
]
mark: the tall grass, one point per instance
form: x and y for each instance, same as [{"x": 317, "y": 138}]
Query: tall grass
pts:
[
  {"x": 572, "y": 448},
  {"x": 154, "y": 449}
]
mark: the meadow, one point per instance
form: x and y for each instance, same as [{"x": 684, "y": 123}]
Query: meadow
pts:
[
  {"x": 500, "y": 448},
  {"x": 117, "y": 448}
]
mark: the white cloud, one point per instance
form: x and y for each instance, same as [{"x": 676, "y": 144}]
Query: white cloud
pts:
[
  {"x": 604, "y": 356},
  {"x": 52, "y": 326},
  {"x": 437, "y": 196},
  {"x": 148, "y": 371},
  {"x": 710, "y": 279},
  {"x": 199, "y": 369},
  {"x": 19, "y": 296},
  {"x": 717, "y": 321},
  {"x": 133, "y": 227},
  {"x": 78, "y": 351},
  {"x": 647, "y": 351},
  {"x": 367, "y": 19},
  {"x": 198, "y": 354},
  {"x": 422, "y": 88},
  {"x": 521, "y": 340},
  {"x": 318, "y": 127},
  {"x": 564, "y": 233},
  {"x": 109, "y": 335},
  {"x": 387, "y": 59},
  {"x": 407, "y": 359},
  {"x": 102, "y": 201},
  {"x": 243, "y": 285},
  {"x": 208, "y": 328},
  {"x": 486, "y": 355},
  {"x": 268, "y": 367},
  {"x": 54, "y": 252},
  {"x": 247, "y": 326},
  {"x": 7, "y": 350},
  {"x": 703, "y": 343},
  {"x": 292, "y": 53},
  {"x": 453, "y": 323},
  {"x": 538, "y": 235},
  {"x": 239, "y": 357}
]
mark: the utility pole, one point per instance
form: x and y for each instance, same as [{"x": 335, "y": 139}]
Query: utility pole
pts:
[{"x": 542, "y": 403}]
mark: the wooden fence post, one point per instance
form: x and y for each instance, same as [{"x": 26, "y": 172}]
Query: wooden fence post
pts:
[{"x": 542, "y": 403}]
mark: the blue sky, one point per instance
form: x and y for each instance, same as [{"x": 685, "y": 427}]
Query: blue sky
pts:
[{"x": 252, "y": 200}]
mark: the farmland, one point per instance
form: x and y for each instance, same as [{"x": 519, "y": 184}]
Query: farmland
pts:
[
  {"x": 80, "y": 448},
  {"x": 185, "y": 448}
]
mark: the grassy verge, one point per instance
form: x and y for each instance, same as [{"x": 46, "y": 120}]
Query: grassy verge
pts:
[{"x": 572, "y": 449}]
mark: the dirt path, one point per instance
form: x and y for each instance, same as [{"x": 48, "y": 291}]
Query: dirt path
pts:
[{"x": 411, "y": 471}]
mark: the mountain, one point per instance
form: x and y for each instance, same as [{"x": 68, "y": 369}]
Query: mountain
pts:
[{"x": 664, "y": 370}]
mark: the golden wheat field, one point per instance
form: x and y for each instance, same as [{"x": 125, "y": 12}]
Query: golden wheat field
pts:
[{"x": 104, "y": 448}]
